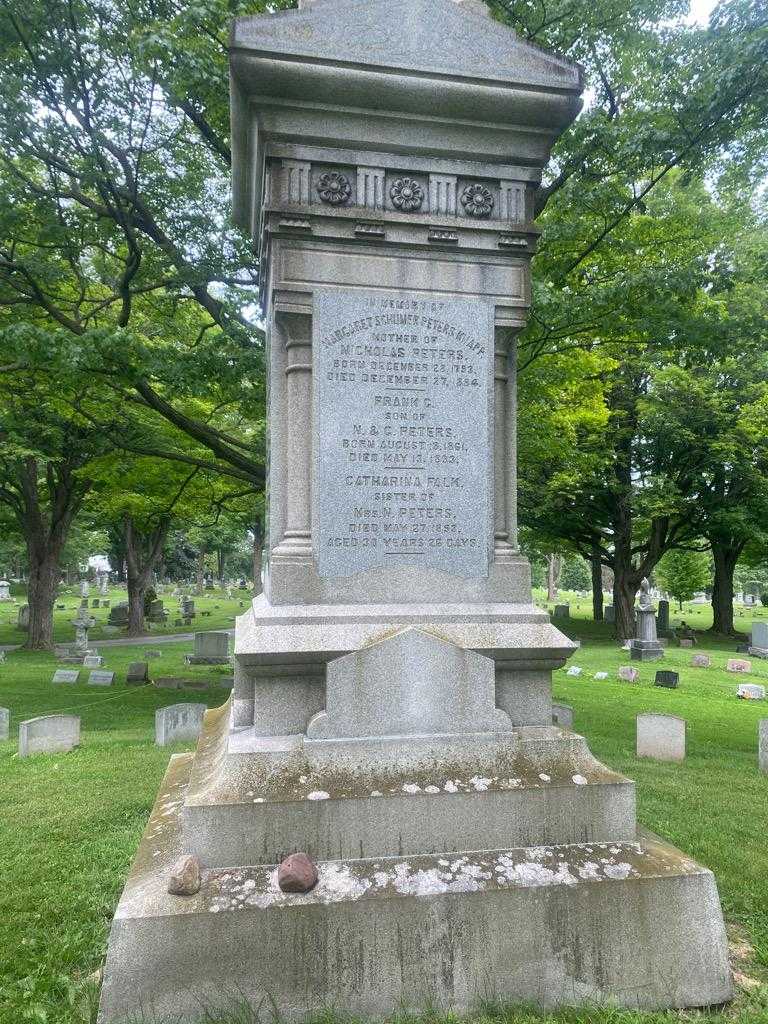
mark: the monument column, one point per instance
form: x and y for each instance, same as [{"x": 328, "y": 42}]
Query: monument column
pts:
[
  {"x": 295, "y": 334},
  {"x": 510, "y": 426}
]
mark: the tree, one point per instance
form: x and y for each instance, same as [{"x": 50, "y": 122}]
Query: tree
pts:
[
  {"x": 576, "y": 574},
  {"x": 683, "y": 573}
]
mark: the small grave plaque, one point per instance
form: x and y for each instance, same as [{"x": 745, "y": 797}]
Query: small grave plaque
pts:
[
  {"x": 574, "y": 670},
  {"x": 562, "y": 715},
  {"x": 701, "y": 661},
  {"x": 628, "y": 674},
  {"x": 667, "y": 679},
  {"x": 402, "y": 401},
  {"x": 600, "y": 675},
  {"x": 101, "y": 678},
  {"x": 738, "y": 665},
  {"x": 92, "y": 661},
  {"x": 66, "y": 675},
  {"x": 661, "y": 737},
  {"x": 152, "y": 654},
  {"x": 750, "y": 691}
]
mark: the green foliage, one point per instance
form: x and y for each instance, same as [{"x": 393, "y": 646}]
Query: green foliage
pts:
[
  {"x": 575, "y": 574},
  {"x": 683, "y": 573}
]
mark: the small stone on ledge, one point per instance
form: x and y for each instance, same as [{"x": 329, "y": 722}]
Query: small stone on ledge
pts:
[
  {"x": 185, "y": 876},
  {"x": 297, "y": 873}
]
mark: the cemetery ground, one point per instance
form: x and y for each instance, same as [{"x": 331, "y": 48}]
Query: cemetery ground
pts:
[
  {"x": 220, "y": 613},
  {"x": 71, "y": 822}
]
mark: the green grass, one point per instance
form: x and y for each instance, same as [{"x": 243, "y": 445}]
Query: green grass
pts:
[
  {"x": 222, "y": 613},
  {"x": 71, "y": 823}
]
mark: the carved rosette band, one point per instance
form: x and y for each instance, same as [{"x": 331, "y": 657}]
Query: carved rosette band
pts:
[
  {"x": 334, "y": 188},
  {"x": 477, "y": 201},
  {"x": 406, "y": 194}
]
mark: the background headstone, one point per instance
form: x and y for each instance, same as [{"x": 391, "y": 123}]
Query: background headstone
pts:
[
  {"x": 210, "y": 649},
  {"x": 137, "y": 674},
  {"x": 92, "y": 661},
  {"x": 661, "y": 737},
  {"x": 562, "y": 715},
  {"x": 628, "y": 674},
  {"x": 48, "y": 734},
  {"x": 66, "y": 675},
  {"x": 662, "y": 618},
  {"x": 178, "y": 722},
  {"x": 701, "y": 661},
  {"x": 23, "y": 620},
  {"x": 751, "y": 691},
  {"x": 738, "y": 665},
  {"x": 5, "y": 590},
  {"x": 762, "y": 741},
  {"x": 667, "y": 679},
  {"x": 562, "y": 611},
  {"x": 609, "y": 613},
  {"x": 5, "y": 723},
  {"x": 101, "y": 678},
  {"x": 759, "y": 645}
]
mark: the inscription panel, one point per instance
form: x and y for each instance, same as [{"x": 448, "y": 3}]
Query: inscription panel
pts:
[{"x": 402, "y": 432}]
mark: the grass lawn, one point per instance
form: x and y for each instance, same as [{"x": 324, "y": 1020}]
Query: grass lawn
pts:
[
  {"x": 220, "y": 613},
  {"x": 71, "y": 823}
]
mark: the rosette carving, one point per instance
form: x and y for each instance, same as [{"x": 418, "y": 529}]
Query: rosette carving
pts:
[
  {"x": 333, "y": 187},
  {"x": 477, "y": 201},
  {"x": 406, "y": 194}
]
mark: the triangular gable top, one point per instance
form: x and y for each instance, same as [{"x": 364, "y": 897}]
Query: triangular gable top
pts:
[{"x": 438, "y": 37}]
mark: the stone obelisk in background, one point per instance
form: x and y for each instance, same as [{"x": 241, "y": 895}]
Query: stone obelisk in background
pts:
[{"x": 392, "y": 714}]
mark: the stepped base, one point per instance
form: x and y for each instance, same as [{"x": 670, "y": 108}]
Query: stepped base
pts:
[{"x": 630, "y": 923}]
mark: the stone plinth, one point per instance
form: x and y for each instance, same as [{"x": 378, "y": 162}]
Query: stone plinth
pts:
[{"x": 645, "y": 646}]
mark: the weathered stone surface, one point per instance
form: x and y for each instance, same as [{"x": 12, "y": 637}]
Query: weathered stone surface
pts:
[
  {"x": 137, "y": 674},
  {"x": 628, "y": 674},
  {"x": 101, "y": 678},
  {"x": 185, "y": 876},
  {"x": 178, "y": 722},
  {"x": 437, "y": 469},
  {"x": 738, "y": 665},
  {"x": 685, "y": 641},
  {"x": 22, "y": 621},
  {"x": 562, "y": 611},
  {"x": 751, "y": 691},
  {"x": 661, "y": 737},
  {"x": 667, "y": 679},
  {"x": 562, "y": 715},
  {"x": 65, "y": 675},
  {"x": 211, "y": 648},
  {"x": 701, "y": 661},
  {"x": 48, "y": 734},
  {"x": 297, "y": 873},
  {"x": 762, "y": 745},
  {"x": 5, "y": 723}
]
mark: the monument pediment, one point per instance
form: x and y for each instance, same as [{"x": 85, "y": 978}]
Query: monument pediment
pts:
[{"x": 437, "y": 37}]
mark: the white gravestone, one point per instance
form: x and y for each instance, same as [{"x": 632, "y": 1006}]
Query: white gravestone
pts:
[
  {"x": 178, "y": 722},
  {"x": 5, "y": 723},
  {"x": 5, "y": 590},
  {"x": 49, "y": 734},
  {"x": 750, "y": 691},
  {"x": 661, "y": 737},
  {"x": 402, "y": 410},
  {"x": 762, "y": 732}
]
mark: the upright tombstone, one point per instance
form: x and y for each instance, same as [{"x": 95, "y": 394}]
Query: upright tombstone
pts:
[
  {"x": 662, "y": 618},
  {"x": 661, "y": 737},
  {"x": 762, "y": 744},
  {"x": 562, "y": 611},
  {"x": 48, "y": 734},
  {"x": 23, "y": 618},
  {"x": 645, "y": 646},
  {"x": 609, "y": 613},
  {"x": 210, "y": 649},
  {"x": 5, "y": 723},
  {"x": 759, "y": 639},
  {"x": 385, "y": 159},
  {"x": 5, "y": 590},
  {"x": 178, "y": 722}
]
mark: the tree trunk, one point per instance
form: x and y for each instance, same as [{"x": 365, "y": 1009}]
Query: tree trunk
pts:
[
  {"x": 554, "y": 565},
  {"x": 625, "y": 586},
  {"x": 258, "y": 553},
  {"x": 597, "y": 586},
  {"x": 142, "y": 553},
  {"x": 725, "y": 557},
  {"x": 221, "y": 562},
  {"x": 41, "y": 596}
]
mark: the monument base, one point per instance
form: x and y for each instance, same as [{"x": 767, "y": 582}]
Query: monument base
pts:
[
  {"x": 634, "y": 924},
  {"x": 645, "y": 650}
]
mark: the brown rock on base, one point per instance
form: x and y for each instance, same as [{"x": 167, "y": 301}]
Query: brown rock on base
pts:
[
  {"x": 185, "y": 876},
  {"x": 297, "y": 873}
]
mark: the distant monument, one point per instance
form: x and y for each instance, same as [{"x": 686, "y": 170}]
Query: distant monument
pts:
[
  {"x": 645, "y": 646},
  {"x": 391, "y": 717}
]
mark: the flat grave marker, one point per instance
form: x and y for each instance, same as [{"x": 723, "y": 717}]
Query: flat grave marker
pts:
[
  {"x": 751, "y": 691},
  {"x": 66, "y": 675},
  {"x": 701, "y": 661},
  {"x": 738, "y": 665},
  {"x": 101, "y": 678}
]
